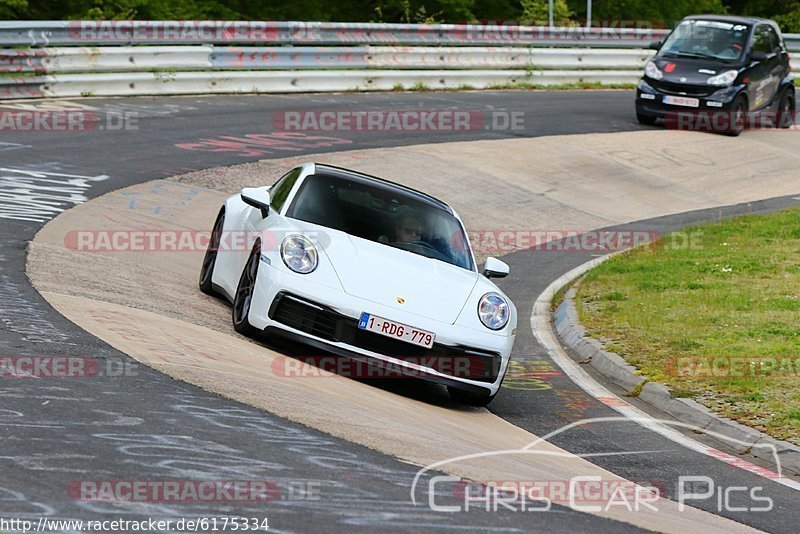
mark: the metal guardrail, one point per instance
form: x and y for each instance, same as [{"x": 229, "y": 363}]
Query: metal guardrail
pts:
[
  {"x": 112, "y": 59},
  {"x": 88, "y": 33},
  {"x": 185, "y": 58},
  {"x": 58, "y": 58},
  {"x": 219, "y": 82}
]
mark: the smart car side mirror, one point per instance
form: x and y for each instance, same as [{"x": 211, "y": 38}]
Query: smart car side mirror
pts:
[
  {"x": 494, "y": 268},
  {"x": 758, "y": 55},
  {"x": 257, "y": 197},
  {"x": 655, "y": 45}
]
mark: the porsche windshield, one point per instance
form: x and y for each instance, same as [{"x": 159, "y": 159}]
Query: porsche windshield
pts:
[
  {"x": 383, "y": 213},
  {"x": 707, "y": 39}
]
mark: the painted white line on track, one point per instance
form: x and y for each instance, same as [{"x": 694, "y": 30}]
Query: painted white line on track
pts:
[{"x": 545, "y": 334}]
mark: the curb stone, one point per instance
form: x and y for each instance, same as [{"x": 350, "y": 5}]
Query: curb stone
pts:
[{"x": 616, "y": 370}]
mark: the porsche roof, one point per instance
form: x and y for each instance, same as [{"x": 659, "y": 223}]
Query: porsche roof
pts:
[{"x": 360, "y": 177}]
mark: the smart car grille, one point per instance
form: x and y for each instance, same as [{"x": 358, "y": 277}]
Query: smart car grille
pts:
[
  {"x": 326, "y": 323},
  {"x": 683, "y": 89}
]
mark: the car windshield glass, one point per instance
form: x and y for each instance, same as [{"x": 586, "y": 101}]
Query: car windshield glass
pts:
[
  {"x": 384, "y": 214},
  {"x": 707, "y": 39}
]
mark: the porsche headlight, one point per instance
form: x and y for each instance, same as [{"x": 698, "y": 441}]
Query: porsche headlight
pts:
[
  {"x": 652, "y": 71},
  {"x": 493, "y": 311},
  {"x": 299, "y": 254},
  {"x": 726, "y": 78}
]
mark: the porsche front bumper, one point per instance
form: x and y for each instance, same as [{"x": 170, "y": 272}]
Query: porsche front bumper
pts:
[{"x": 294, "y": 307}]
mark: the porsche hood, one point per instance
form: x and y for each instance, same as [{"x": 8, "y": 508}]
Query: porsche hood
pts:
[{"x": 399, "y": 279}]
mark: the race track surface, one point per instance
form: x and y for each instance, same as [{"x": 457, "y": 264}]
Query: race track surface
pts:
[{"x": 148, "y": 426}]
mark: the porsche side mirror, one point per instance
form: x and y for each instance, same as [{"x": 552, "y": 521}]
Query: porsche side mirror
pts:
[
  {"x": 494, "y": 268},
  {"x": 655, "y": 45},
  {"x": 758, "y": 55},
  {"x": 257, "y": 197}
]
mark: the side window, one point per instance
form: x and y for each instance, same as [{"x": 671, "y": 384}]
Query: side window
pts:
[
  {"x": 280, "y": 191},
  {"x": 762, "y": 41},
  {"x": 775, "y": 41}
]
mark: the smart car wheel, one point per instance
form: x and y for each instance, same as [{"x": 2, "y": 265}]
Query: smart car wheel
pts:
[
  {"x": 468, "y": 397},
  {"x": 210, "y": 258},
  {"x": 645, "y": 119},
  {"x": 738, "y": 117},
  {"x": 244, "y": 293},
  {"x": 786, "y": 109}
]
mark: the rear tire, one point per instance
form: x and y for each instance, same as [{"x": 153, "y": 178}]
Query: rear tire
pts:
[
  {"x": 645, "y": 118},
  {"x": 468, "y": 397},
  {"x": 243, "y": 298},
  {"x": 786, "y": 109},
  {"x": 210, "y": 259}
]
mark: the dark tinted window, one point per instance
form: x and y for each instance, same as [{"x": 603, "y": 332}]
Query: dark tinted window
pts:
[
  {"x": 762, "y": 41},
  {"x": 703, "y": 39},
  {"x": 280, "y": 191},
  {"x": 775, "y": 41},
  {"x": 385, "y": 215}
]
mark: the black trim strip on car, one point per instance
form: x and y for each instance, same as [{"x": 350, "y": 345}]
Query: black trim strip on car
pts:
[{"x": 373, "y": 361}]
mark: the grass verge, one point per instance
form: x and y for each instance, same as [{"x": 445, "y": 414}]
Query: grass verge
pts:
[{"x": 717, "y": 321}]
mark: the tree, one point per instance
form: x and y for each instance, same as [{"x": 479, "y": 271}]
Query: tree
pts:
[
  {"x": 12, "y": 9},
  {"x": 790, "y": 22},
  {"x": 538, "y": 12},
  {"x": 659, "y": 14}
]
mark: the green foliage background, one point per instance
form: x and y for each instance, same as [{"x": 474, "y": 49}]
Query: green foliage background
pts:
[{"x": 660, "y": 14}]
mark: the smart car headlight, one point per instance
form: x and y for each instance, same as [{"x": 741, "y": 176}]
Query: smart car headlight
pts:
[
  {"x": 299, "y": 254},
  {"x": 493, "y": 311},
  {"x": 652, "y": 71},
  {"x": 726, "y": 78}
]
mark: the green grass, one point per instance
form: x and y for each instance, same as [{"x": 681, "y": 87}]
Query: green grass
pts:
[
  {"x": 20, "y": 74},
  {"x": 735, "y": 294}
]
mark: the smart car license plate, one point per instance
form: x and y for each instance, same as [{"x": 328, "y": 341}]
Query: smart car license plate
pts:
[
  {"x": 682, "y": 101},
  {"x": 388, "y": 328}
]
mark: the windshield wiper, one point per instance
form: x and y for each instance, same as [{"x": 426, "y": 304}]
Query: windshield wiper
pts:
[{"x": 697, "y": 55}]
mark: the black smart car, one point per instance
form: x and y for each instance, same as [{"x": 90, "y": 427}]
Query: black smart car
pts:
[{"x": 720, "y": 67}]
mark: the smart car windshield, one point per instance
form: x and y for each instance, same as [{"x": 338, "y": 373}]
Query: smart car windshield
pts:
[
  {"x": 383, "y": 213},
  {"x": 707, "y": 39}
]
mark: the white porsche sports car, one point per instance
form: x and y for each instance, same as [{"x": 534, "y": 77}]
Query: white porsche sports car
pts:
[{"x": 366, "y": 269}]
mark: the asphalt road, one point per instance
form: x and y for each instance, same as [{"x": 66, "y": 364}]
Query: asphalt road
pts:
[{"x": 149, "y": 427}]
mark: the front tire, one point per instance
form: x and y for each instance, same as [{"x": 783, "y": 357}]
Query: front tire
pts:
[
  {"x": 210, "y": 259},
  {"x": 468, "y": 397},
  {"x": 738, "y": 117},
  {"x": 645, "y": 118},
  {"x": 243, "y": 298}
]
